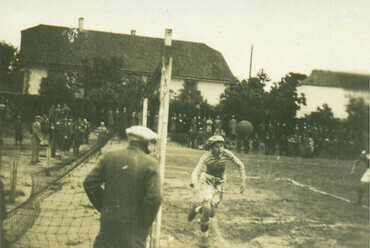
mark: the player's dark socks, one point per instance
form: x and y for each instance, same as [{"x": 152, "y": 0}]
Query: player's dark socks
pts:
[
  {"x": 204, "y": 228},
  {"x": 192, "y": 214}
]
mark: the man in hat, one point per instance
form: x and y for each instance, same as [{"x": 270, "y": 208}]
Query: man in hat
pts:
[
  {"x": 132, "y": 192},
  {"x": 208, "y": 178},
  {"x": 36, "y": 139}
]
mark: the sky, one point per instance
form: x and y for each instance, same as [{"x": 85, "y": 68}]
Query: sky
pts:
[{"x": 287, "y": 35}]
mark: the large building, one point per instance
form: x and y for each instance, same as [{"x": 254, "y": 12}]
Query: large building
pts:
[
  {"x": 334, "y": 89},
  {"x": 46, "y": 48}
]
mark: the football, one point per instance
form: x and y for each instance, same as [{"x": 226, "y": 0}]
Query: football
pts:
[{"x": 244, "y": 128}]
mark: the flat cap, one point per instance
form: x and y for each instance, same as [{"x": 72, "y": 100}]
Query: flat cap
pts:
[
  {"x": 214, "y": 139},
  {"x": 140, "y": 133}
]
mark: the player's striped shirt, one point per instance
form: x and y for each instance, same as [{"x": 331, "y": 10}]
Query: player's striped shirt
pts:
[{"x": 216, "y": 166}]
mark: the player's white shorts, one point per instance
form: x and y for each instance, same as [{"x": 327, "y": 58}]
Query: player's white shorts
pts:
[
  {"x": 366, "y": 177},
  {"x": 207, "y": 192}
]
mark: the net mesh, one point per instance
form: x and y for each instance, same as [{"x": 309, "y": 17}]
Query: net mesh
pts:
[{"x": 57, "y": 212}]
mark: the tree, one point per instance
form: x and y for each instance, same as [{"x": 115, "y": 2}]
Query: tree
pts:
[
  {"x": 246, "y": 99},
  {"x": 55, "y": 89},
  {"x": 190, "y": 101},
  {"x": 323, "y": 116},
  {"x": 358, "y": 122},
  {"x": 283, "y": 100},
  {"x": 9, "y": 64},
  {"x": 108, "y": 86}
]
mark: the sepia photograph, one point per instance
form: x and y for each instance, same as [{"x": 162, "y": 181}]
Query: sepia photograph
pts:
[{"x": 184, "y": 124}]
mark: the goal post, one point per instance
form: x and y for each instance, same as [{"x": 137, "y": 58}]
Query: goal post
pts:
[{"x": 164, "y": 103}]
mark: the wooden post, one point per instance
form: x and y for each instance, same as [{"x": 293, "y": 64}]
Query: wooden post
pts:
[
  {"x": 1, "y": 217},
  {"x": 13, "y": 179},
  {"x": 1, "y": 137},
  {"x": 145, "y": 112},
  {"x": 164, "y": 99},
  {"x": 48, "y": 160}
]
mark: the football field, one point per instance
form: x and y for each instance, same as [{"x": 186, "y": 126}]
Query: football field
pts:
[{"x": 289, "y": 202}]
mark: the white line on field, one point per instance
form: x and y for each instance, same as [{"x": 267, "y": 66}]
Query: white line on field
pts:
[
  {"x": 317, "y": 190},
  {"x": 313, "y": 189}
]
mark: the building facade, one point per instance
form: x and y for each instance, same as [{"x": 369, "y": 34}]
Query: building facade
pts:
[{"x": 46, "y": 48}]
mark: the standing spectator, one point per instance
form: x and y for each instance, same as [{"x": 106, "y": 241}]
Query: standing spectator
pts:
[
  {"x": 65, "y": 135},
  {"x": 58, "y": 113},
  {"x": 109, "y": 118},
  {"x": 78, "y": 136},
  {"x": 116, "y": 115},
  {"x": 53, "y": 136},
  {"x": 209, "y": 127},
  {"x": 102, "y": 134},
  {"x": 193, "y": 130},
  {"x": 52, "y": 114},
  {"x": 18, "y": 131},
  {"x": 133, "y": 120},
  {"x": 179, "y": 124},
  {"x": 87, "y": 129},
  {"x": 185, "y": 126},
  {"x": 218, "y": 124},
  {"x": 65, "y": 111},
  {"x": 132, "y": 194},
  {"x": 173, "y": 123},
  {"x": 255, "y": 143},
  {"x": 69, "y": 134},
  {"x": 139, "y": 119},
  {"x": 232, "y": 126},
  {"x": 124, "y": 123},
  {"x": 155, "y": 121},
  {"x": 204, "y": 125},
  {"x": 36, "y": 139}
]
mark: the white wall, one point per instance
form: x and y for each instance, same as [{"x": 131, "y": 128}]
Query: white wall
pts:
[
  {"x": 34, "y": 79},
  {"x": 176, "y": 85},
  {"x": 209, "y": 90},
  {"x": 335, "y": 98}
]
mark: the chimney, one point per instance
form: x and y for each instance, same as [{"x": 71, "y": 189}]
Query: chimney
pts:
[
  {"x": 168, "y": 37},
  {"x": 133, "y": 32},
  {"x": 80, "y": 24}
]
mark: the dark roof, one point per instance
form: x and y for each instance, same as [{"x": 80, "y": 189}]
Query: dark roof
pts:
[
  {"x": 345, "y": 80},
  {"x": 50, "y": 45}
]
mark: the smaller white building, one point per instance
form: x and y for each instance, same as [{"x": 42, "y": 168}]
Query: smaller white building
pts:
[{"x": 334, "y": 89}]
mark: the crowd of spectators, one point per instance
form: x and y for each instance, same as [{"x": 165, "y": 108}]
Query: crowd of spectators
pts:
[{"x": 301, "y": 138}]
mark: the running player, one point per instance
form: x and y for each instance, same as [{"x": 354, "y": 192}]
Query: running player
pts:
[
  {"x": 208, "y": 179},
  {"x": 365, "y": 171}
]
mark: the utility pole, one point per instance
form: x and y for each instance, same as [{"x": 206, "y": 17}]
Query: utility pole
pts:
[{"x": 250, "y": 63}]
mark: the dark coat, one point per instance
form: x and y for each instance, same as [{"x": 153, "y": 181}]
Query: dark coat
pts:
[{"x": 130, "y": 199}]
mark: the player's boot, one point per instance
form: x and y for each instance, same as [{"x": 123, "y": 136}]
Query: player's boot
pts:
[{"x": 204, "y": 242}]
